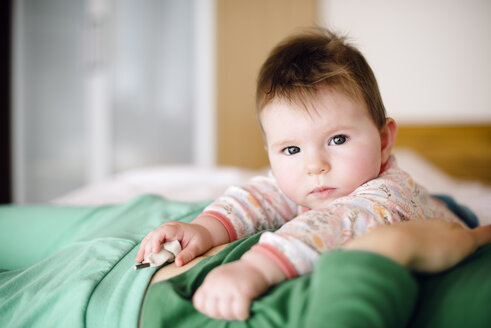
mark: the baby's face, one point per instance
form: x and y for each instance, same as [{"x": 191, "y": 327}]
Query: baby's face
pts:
[{"x": 319, "y": 156}]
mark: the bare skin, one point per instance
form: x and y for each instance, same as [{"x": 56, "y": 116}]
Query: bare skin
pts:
[{"x": 423, "y": 245}]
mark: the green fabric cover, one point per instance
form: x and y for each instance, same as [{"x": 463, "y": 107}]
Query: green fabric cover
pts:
[
  {"x": 72, "y": 267},
  {"x": 362, "y": 289},
  {"x": 321, "y": 299},
  {"x": 460, "y": 297},
  {"x": 346, "y": 289}
]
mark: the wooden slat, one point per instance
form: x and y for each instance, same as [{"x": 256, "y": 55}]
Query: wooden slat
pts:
[
  {"x": 463, "y": 151},
  {"x": 247, "y": 30}
]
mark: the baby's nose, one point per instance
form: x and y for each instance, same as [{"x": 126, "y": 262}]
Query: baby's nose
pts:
[{"x": 318, "y": 166}]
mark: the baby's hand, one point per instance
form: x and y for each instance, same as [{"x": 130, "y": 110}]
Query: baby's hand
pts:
[
  {"x": 228, "y": 290},
  {"x": 195, "y": 239}
]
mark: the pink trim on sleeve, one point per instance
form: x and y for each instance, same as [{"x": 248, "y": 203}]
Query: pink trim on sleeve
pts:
[
  {"x": 279, "y": 258},
  {"x": 232, "y": 235}
]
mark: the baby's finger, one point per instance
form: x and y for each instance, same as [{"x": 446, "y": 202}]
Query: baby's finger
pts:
[
  {"x": 141, "y": 251},
  {"x": 212, "y": 308},
  {"x": 140, "y": 254},
  {"x": 166, "y": 232},
  {"x": 152, "y": 246},
  {"x": 240, "y": 308},
  {"x": 186, "y": 255},
  {"x": 155, "y": 243},
  {"x": 224, "y": 309},
  {"x": 199, "y": 300}
]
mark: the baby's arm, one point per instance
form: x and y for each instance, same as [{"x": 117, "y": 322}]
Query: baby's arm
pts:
[
  {"x": 240, "y": 212},
  {"x": 196, "y": 238},
  {"x": 420, "y": 245},
  {"x": 254, "y": 207},
  {"x": 228, "y": 290}
]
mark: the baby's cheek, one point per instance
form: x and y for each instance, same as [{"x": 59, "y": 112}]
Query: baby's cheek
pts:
[
  {"x": 362, "y": 173},
  {"x": 288, "y": 183},
  {"x": 360, "y": 166}
]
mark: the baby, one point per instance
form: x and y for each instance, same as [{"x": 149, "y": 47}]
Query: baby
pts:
[{"x": 332, "y": 176}]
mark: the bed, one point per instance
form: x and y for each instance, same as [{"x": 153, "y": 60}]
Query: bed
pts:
[{"x": 80, "y": 274}]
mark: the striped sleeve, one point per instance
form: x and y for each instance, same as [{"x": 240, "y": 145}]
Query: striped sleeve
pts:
[{"x": 257, "y": 206}]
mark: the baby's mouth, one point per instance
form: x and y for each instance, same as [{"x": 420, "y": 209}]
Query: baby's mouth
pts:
[{"x": 322, "y": 191}]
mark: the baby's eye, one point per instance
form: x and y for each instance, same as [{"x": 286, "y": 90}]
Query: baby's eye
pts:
[
  {"x": 291, "y": 150},
  {"x": 338, "y": 140}
]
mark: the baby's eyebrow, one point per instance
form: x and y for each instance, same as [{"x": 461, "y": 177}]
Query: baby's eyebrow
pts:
[{"x": 283, "y": 143}]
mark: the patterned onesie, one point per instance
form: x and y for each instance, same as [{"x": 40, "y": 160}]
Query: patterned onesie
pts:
[{"x": 303, "y": 234}]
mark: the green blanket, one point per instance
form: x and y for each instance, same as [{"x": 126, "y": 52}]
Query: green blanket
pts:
[
  {"x": 72, "y": 267},
  {"x": 346, "y": 289}
]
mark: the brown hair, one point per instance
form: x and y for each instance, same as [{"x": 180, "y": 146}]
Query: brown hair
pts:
[{"x": 301, "y": 65}]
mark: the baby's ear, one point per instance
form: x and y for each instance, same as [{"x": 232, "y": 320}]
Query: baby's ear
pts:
[{"x": 388, "y": 138}]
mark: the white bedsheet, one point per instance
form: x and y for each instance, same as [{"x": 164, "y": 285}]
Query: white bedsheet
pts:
[{"x": 189, "y": 183}]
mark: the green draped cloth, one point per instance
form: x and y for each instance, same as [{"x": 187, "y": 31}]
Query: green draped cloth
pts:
[
  {"x": 72, "y": 267},
  {"x": 346, "y": 289}
]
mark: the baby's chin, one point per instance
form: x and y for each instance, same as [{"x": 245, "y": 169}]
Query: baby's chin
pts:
[{"x": 323, "y": 204}]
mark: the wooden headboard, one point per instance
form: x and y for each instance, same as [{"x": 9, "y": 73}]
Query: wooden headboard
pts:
[{"x": 462, "y": 151}]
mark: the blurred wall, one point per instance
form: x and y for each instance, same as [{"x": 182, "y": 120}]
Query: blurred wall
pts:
[{"x": 431, "y": 57}]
